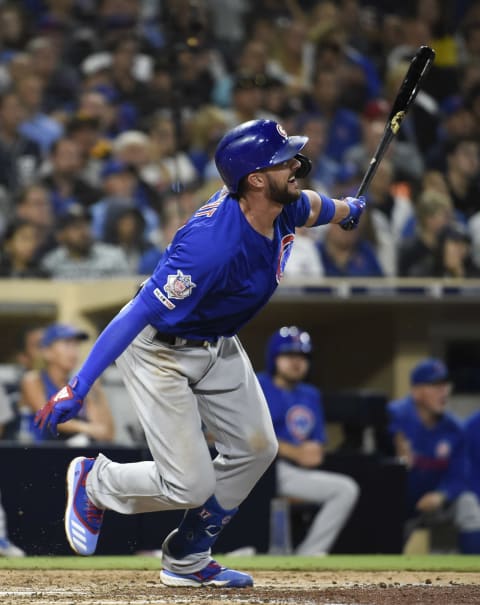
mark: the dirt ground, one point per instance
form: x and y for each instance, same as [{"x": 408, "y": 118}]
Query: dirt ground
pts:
[{"x": 40, "y": 587}]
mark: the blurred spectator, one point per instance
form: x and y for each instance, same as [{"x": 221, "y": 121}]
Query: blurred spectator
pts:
[
  {"x": 232, "y": 12},
  {"x": 160, "y": 94},
  {"x": 304, "y": 260},
  {"x": 420, "y": 125},
  {"x": 453, "y": 256},
  {"x": 122, "y": 184},
  {"x": 60, "y": 80},
  {"x": 472, "y": 103},
  {"x": 390, "y": 211},
  {"x": 291, "y": 59},
  {"x": 357, "y": 74},
  {"x": 36, "y": 124},
  {"x": 125, "y": 227},
  {"x": 430, "y": 441},
  {"x": 206, "y": 128},
  {"x": 96, "y": 104},
  {"x": 298, "y": 420},
  {"x": 174, "y": 216},
  {"x": 60, "y": 349},
  {"x": 434, "y": 211},
  {"x": 78, "y": 255},
  {"x": 471, "y": 40},
  {"x": 247, "y": 99},
  {"x": 26, "y": 356},
  {"x": 463, "y": 167},
  {"x": 18, "y": 253},
  {"x": 348, "y": 254},
  {"x": 170, "y": 166},
  {"x": 192, "y": 77},
  {"x": 278, "y": 102},
  {"x": 407, "y": 162},
  {"x": 14, "y": 30},
  {"x": 33, "y": 205},
  {"x": 85, "y": 131},
  {"x": 457, "y": 122},
  {"x": 253, "y": 58},
  {"x": 19, "y": 156},
  {"x": 132, "y": 148},
  {"x": 62, "y": 180},
  {"x": 344, "y": 126},
  {"x": 123, "y": 77},
  {"x": 327, "y": 175}
]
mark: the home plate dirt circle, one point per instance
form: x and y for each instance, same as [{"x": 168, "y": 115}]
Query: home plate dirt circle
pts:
[{"x": 112, "y": 587}]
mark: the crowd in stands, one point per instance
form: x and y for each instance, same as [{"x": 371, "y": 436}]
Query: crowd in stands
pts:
[{"x": 110, "y": 112}]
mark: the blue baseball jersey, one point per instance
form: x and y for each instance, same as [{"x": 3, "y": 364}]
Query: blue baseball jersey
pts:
[
  {"x": 472, "y": 436},
  {"x": 218, "y": 272},
  {"x": 439, "y": 452},
  {"x": 297, "y": 414}
]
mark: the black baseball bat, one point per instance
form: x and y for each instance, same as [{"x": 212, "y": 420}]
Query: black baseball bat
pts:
[{"x": 417, "y": 70}]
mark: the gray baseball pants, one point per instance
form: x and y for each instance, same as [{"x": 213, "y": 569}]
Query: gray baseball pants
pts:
[
  {"x": 174, "y": 389},
  {"x": 335, "y": 492}
]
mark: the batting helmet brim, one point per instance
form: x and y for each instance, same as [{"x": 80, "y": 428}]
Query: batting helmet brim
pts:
[{"x": 289, "y": 150}]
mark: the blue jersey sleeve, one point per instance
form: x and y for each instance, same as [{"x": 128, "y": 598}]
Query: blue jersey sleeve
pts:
[
  {"x": 187, "y": 274},
  {"x": 300, "y": 210},
  {"x": 111, "y": 343},
  {"x": 399, "y": 415}
]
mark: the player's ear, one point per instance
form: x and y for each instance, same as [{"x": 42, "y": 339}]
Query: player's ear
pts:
[{"x": 256, "y": 180}]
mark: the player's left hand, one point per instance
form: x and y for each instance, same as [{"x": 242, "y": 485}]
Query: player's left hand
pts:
[
  {"x": 63, "y": 406},
  {"x": 430, "y": 502},
  {"x": 356, "y": 207}
]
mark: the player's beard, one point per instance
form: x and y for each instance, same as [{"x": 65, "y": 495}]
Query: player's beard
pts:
[{"x": 281, "y": 195}]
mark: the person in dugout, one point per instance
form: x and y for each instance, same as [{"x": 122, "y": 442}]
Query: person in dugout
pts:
[{"x": 431, "y": 442}]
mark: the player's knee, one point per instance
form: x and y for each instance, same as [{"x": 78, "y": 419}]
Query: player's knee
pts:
[
  {"x": 350, "y": 490},
  {"x": 266, "y": 451},
  {"x": 201, "y": 490}
]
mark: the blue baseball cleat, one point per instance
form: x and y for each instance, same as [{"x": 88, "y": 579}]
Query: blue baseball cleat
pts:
[
  {"x": 211, "y": 575},
  {"x": 83, "y": 519}
]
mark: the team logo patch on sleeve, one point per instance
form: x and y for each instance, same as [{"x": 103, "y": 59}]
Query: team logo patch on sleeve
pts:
[
  {"x": 284, "y": 254},
  {"x": 163, "y": 299},
  {"x": 179, "y": 286}
]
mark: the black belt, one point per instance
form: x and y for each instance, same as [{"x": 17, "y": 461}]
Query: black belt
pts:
[{"x": 179, "y": 341}]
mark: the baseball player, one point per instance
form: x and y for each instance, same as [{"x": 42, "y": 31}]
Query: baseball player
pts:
[
  {"x": 182, "y": 363},
  {"x": 297, "y": 414},
  {"x": 431, "y": 442}
]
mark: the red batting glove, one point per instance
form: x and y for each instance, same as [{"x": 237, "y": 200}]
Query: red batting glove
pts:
[{"x": 63, "y": 406}]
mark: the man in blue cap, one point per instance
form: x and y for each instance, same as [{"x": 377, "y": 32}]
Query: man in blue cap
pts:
[
  {"x": 431, "y": 442},
  {"x": 60, "y": 346}
]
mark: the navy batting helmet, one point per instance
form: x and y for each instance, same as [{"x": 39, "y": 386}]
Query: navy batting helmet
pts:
[
  {"x": 288, "y": 339},
  {"x": 254, "y": 145}
]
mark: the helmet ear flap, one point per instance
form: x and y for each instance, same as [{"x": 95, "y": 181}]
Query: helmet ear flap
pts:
[{"x": 306, "y": 166}]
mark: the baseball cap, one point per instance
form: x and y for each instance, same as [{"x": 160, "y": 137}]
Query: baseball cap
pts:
[
  {"x": 73, "y": 214},
  {"x": 376, "y": 109},
  {"x": 56, "y": 332},
  {"x": 248, "y": 81},
  {"x": 114, "y": 166},
  {"x": 429, "y": 371}
]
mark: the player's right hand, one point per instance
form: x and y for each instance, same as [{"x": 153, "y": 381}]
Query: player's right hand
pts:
[
  {"x": 309, "y": 454},
  {"x": 63, "y": 406}
]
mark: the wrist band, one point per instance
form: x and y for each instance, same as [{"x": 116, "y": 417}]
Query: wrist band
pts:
[{"x": 327, "y": 211}]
